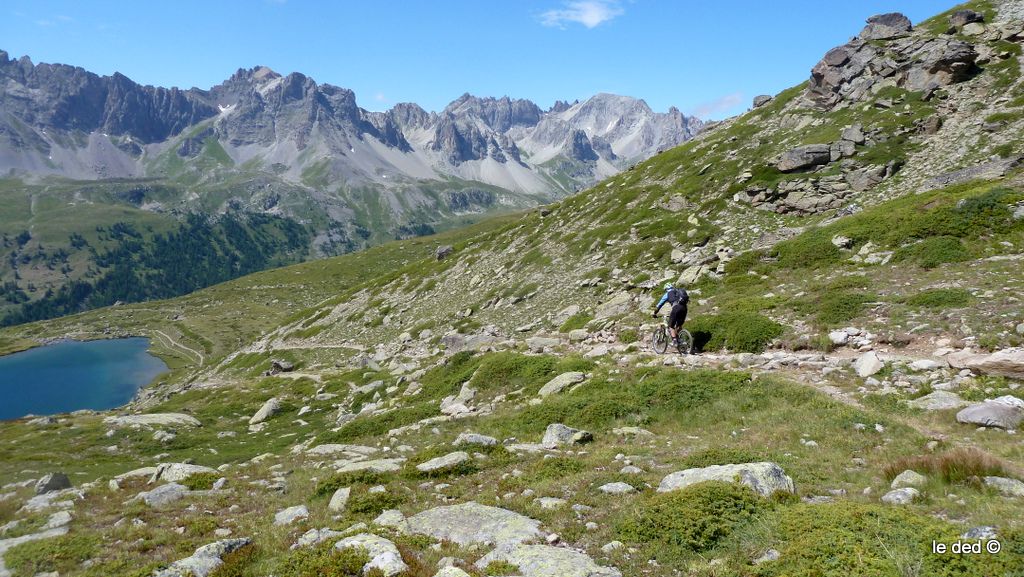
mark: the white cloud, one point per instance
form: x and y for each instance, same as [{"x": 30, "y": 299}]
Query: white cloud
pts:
[
  {"x": 718, "y": 105},
  {"x": 379, "y": 97},
  {"x": 590, "y": 13}
]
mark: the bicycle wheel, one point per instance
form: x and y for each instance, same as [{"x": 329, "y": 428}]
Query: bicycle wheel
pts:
[
  {"x": 685, "y": 344},
  {"x": 659, "y": 340}
]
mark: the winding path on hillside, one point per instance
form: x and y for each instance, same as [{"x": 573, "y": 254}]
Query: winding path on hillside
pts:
[{"x": 172, "y": 344}]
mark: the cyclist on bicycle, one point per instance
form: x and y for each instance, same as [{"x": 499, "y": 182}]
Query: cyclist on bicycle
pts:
[{"x": 678, "y": 297}]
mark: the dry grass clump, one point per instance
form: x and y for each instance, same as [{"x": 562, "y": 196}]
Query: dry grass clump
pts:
[{"x": 954, "y": 466}]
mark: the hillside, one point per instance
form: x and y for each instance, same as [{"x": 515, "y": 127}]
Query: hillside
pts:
[
  {"x": 852, "y": 247},
  {"x": 267, "y": 170}
]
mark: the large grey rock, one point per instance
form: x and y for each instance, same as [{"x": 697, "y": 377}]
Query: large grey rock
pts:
[
  {"x": 291, "y": 515},
  {"x": 561, "y": 382},
  {"x": 763, "y": 478},
  {"x": 475, "y": 439},
  {"x": 1004, "y": 363},
  {"x": 451, "y": 571},
  {"x": 163, "y": 495},
  {"x": 339, "y": 500},
  {"x": 375, "y": 465},
  {"x": 443, "y": 463},
  {"x": 384, "y": 555},
  {"x": 204, "y": 561},
  {"x": 473, "y": 523},
  {"x": 269, "y": 409},
  {"x": 315, "y": 537},
  {"x": 903, "y": 496},
  {"x": 804, "y": 157},
  {"x": 909, "y": 478},
  {"x": 961, "y": 18},
  {"x": 538, "y": 344},
  {"x": 619, "y": 304},
  {"x": 617, "y": 488},
  {"x": 868, "y": 364},
  {"x": 347, "y": 450},
  {"x": 991, "y": 414},
  {"x": 153, "y": 419},
  {"x": 938, "y": 401},
  {"x": 547, "y": 561},
  {"x": 174, "y": 472},
  {"x": 1005, "y": 486},
  {"x": 761, "y": 99},
  {"x": 885, "y": 26},
  {"x": 558, "y": 434},
  {"x": 52, "y": 482},
  {"x": 854, "y": 134}
]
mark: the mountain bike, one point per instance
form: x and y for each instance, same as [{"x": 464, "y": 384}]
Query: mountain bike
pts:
[{"x": 660, "y": 339}]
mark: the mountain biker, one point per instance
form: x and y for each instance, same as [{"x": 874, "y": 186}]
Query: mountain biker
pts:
[{"x": 678, "y": 297}]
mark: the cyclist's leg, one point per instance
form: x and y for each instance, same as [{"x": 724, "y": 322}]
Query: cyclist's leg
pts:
[{"x": 675, "y": 320}]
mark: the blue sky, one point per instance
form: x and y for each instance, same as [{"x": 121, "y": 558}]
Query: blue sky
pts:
[{"x": 706, "y": 58}]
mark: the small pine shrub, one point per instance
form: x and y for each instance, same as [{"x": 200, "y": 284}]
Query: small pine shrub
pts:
[
  {"x": 933, "y": 251},
  {"x": 501, "y": 568},
  {"x": 338, "y": 480},
  {"x": 237, "y": 562},
  {"x": 627, "y": 336},
  {"x": 840, "y": 307},
  {"x": 738, "y": 331},
  {"x": 200, "y": 481},
  {"x": 809, "y": 250},
  {"x": 576, "y": 321},
  {"x": 940, "y": 298},
  {"x": 556, "y": 468},
  {"x": 720, "y": 456},
  {"x": 697, "y": 517},
  {"x": 374, "y": 503},
  {"x": 61, "y": 554},
  {"x": 324, "y": 561}
]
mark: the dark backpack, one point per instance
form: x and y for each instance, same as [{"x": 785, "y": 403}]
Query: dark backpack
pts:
[{"x": 678, "y": 296}]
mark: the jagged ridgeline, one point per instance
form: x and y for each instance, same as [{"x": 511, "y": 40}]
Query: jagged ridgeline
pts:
[
  {"x": 483, "y": 401},
  {"x": 264, "y": 148}
]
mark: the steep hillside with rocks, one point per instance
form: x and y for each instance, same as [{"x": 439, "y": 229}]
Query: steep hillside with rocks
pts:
[{"x": 485, "y": 401}]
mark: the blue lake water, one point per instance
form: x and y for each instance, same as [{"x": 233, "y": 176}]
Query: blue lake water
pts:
[{"x": 72, "y": 375}]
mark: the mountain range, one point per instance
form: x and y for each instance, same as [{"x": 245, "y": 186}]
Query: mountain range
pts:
[{"x": 275, "y": 156}]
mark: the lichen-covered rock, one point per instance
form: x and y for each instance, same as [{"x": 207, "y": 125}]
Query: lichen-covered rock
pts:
[
  {"x": 617, "y": 488},
  {"x": 449, "y": 461},
  {"x": 475, "y": 439},
  {"x": 384, "y": 555},
  {"x": 204, "y": 561},
  {"x": 174, "y": 472},
  {"x": 561, "y": 382},
  {"x": 557, "y": 435},
  {"x": 938, "y": 401},
  {"x": 885, "y": 26},
  {"x": 1006, "y": 486},
  {"x": 547, "y": 561},
  {"x": 375, "y": 465},
  {"x": 473, "y": 523},
  {"x": 991, "y": 414},
  {"x": 163, "y": 495},
  {"x": 291, "y": 515},
  {"x": 269, "y": 409},
  {"x": 153, "y": 419},
  {"x": 902, "y": 496},
  {"x": 52, "y": 482},
  {"x": 763, "y": 478},
  {"x": 339, "y": 500},
  {"x": 909, "y": 478},
  {"x": 804, "y": 157}
]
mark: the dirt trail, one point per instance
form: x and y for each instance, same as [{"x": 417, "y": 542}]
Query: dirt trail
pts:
[{"x": 170, "y": 343}]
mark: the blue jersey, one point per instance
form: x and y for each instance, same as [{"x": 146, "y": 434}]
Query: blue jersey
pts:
[{"x": 674, "y": 296}]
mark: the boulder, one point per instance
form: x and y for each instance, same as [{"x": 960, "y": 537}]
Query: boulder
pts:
[
  {"x": 443, "y": 252},
  {"x": 804, "y": 157},
  {"x": 1006, "y": 487},
  {"x": 547, "y": 561},
  {"x": 163, "y": 495},
  {"x": 375, "y": 465},
  {"x": 868, "y": 364},
  {"x": 908, "y": 478},
  {"x": 451, "y": 571},
  {"x": 564, "y": 314},
  {"x": 384, "y": 555},
  {"x": 475, "y": 439},
  {"x": 903, "y": 496},
  {"x": 347, "y": 450},
  {"x": 1004, "y": 363},
  {"x": 339, "y": 500},
  {"x": 52, "y": 482},
  {"x": 291, "y": 515},
  {"x": 472, "y": 523},
  {"x": 269, "y": 409},
  {"x": 315, "y": 537},
  {"x": 924, "y": 365},
  {"x": 153, "y": 419},
  {"x": 617, "y": 488},
  {"x": 761, "y": 99},
  {"x": 204, "y": 561},
  {"x": 962, "y": 18},
  {"x": 854, "y": 134},
  {"x": 538, "y": 344},
  {"x": 558, "y": 434},
  {"x": 391, "y": 518},
  {"x": 449, "y": 461},
  {"x": 174, "y": 472},
  {"x": 561, "y": 382},
  {"x": 991, "y": 414},
  {"x": 763, "y": 478},
  {"x": 838, "y": 338},
  {"x": 619, "y": 304},
  {"x": 938, "y": 401},
  {"x": 885, "y": 26}
]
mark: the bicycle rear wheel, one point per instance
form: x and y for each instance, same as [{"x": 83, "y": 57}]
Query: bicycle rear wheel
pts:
[
  {"x": 685, "y": 342},
  {"x": 659, "y": 340}
]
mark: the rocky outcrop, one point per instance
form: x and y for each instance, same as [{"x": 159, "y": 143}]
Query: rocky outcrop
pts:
[
  {"x": 885, "y": 26},
  {"x": 546, "y": 561},
  {"x": 204, "y": 561},
  {"x": 561, "y": 382},
  {"x": 991, "y": 414},
  {"x": 763, "y": 478},
  {"x": 803, "y": 157},
  {"x": 384, "y": 555},
  {"x": 152, "y": 420},
  {"x": 473, "y": 523}
]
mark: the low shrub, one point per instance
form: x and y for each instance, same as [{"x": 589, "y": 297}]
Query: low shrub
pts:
[
  {"x": 376, "y": 426},
  {"x": 954, "y": 466},
  {"x": 933, "y": 251},
  {"x": 940, "y": 298},
  {"x": 721, "y": 456},
  {"x": 738, "y": 331},
  {"x": 628, "y": 336},
  {"x": 697, "y": 517},
  {"x": 325, "y": 561},
  {"x": 61, "y": 554},
  {"x": 374, "y": 503},
  {"x": 338, "y": 480},
  {"x": 811, "y": 249},
  {"x": 834, "y": 307},
  {"x": 237, "y": 562},
  {"x": 556, "y": 468},
  {"x": 576, "y": 321},
  {"x": 200, "y": 481}
]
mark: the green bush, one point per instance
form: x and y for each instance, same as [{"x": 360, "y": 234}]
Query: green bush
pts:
[
  {"x": 834, "y": 307},
  {"x": 200, "y": 481},
  {"x": 439, "y": 382},
  {"x": 510, "y": 370},
  {"x": 338, "y": 480},
  {"x": 720, "y": 456},
  {"x": 675, "y": 390},
  {"x": 373, "y": 503},
  {"x": 376, "y": 426},
  {"x": 697, "y": 517},
  {"x": 237, "y": 562},
  {"x": 933, "y": 251},
  {"x": 556, "y": 468},
  {"x": 324, "y": 561},
  {"x": 848, "y": 539},
  {"x": 738, "y": 331},
  {"x": 627, "y": 336},
  {"x": 61, "y": 554},
  {"x": 501, "y": 568},
  {"x": 940, "y": 298},
  {"x": 576, "y": 321},
  {"x": 811, "y": 249}
]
